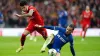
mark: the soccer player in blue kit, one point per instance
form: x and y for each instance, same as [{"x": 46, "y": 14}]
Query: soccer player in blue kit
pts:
[
  {"x": 62, "y": 17},
  {"x": 64, "y": 36}
]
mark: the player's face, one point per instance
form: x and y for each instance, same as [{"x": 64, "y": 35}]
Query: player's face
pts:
[
  {"x": 69, "y": 30},
  {"x": 87, "y": 8},
  {"x": 24, "y": 8}
]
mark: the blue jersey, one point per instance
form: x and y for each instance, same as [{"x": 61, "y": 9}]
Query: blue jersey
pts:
[
  {"x": 63, "y": 16},
  {"x": 61, "y": 38},
  {"x": 1, "y": 18}
]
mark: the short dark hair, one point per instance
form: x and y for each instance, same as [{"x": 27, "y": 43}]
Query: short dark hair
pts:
[
  {"x": 72, "y": 26},
  {"x": 22, "y": 3}
]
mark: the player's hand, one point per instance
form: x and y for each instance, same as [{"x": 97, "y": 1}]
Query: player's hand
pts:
[
  {"x": 38, "y": 26},
  {"x": 18, "y": 15}
]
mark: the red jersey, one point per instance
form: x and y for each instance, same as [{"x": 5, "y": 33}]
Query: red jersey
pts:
[
  {"x": 86, "y": 17},
  {"x": 35, "y": 18}
]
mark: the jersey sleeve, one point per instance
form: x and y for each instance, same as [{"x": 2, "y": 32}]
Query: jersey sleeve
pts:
[
  {"x": 31, "y": 7},
  {"x": 65, "y": 13},
  {"x": 31, "y": 10},
  {"x": 55, "y": 28},
  {"x": 71, "y": 40},
  {"x": 72, "y": 47}
]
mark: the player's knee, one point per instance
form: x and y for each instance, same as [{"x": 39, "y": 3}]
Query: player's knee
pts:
[
  {"x": 49, "y": 46},
  {"x": 23, "y": 37},
  {"x": 45, "y": 37},
  {"x": 52, "y": 35},
  {"x": 26, "y": 32}
]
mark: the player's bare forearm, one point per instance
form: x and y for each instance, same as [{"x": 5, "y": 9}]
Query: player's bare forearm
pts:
[
  {"x": 26, "y": 15},
  {"x": 48, "y": 27},
  {"x": 23, "y": 15}
]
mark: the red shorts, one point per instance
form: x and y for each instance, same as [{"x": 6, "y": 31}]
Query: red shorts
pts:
[
  {"x": 85, "y": 25},
  {"x": 31, "y": 27}
]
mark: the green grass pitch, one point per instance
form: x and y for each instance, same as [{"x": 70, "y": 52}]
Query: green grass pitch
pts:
[{"x": 89, "y": 47}]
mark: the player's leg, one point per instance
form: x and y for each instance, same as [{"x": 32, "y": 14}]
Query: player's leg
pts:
[
  {"x": 22, "y": 40},
  {"x": 55, "y": 50},
  {"x": 84, "y": 31},
  {"x": 56, "y": 45},
  {"x": 23, "y": 37},
  {"x": 47, "y": 43},
  {"x": 33, "y": 36},
  {"x": 29, "y": 29},
  {"x": 43, "y": 32},
  {"x": 48, "y": 39}
]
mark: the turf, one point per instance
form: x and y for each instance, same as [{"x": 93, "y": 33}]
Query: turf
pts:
[{"x": 89, "y": 47}]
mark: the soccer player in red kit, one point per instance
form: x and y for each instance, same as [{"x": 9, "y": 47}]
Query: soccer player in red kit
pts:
[
  {"x": 86, "y": 17},
  {"x": 35, "y": 18}
]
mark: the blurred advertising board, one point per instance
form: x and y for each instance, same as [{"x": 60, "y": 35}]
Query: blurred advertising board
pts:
[{"x": 19, "y": 31}]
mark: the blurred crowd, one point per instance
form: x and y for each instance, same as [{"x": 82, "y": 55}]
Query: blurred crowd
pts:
[{"x": 48, "y": 10}]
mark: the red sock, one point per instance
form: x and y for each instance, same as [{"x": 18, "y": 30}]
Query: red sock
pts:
[
  {"x": 84, "y": 34},
  {"x": 23, "y": 39}
]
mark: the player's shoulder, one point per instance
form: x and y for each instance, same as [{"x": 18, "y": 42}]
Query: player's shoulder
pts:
[
  {"x": 63, "y": 30},
  {"x": 31, "y": 7},
  {"x": 91, "y": 12},
  {"x": 83, "y": 11},
  {"x": 71, "y": 37}
]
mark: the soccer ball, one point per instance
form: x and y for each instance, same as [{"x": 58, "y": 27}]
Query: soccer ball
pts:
[{"x": 52, "y": 52}]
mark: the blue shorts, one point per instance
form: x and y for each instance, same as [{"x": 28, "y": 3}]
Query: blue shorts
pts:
[{"x": 55, "y": 45}]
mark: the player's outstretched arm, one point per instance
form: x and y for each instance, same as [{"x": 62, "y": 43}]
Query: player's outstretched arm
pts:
[
  {"x": 72, "y": 48},
  {"x": 26, "y": 15},
  {"x": 49, "y": 27},
  {"x": 54, "y": 28}
]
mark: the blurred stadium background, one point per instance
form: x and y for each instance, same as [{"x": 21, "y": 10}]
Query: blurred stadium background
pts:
[{"x": 11, "y": 27}]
